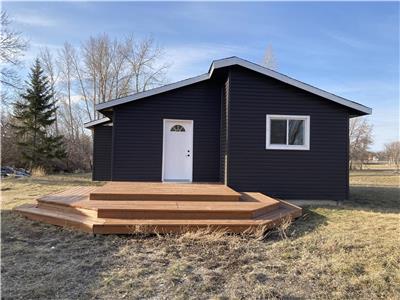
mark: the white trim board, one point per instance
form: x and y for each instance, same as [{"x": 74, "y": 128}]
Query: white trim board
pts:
[
  {"x": 231, "y": 61},
  {"x": 96, "y": 122},
  {"x": 269, "y": 146}
]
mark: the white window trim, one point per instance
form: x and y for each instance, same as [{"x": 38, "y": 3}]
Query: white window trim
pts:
[{"x": 306, "y": 145}]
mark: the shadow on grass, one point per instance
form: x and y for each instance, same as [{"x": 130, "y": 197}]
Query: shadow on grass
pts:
[
  {"x": 384, "y": 174},
  {"x": 308, "y": 222},
  {"x": 362, "y": 198},
  {"x": 55, "y": 181},
  {"x": 42, "y": 261},
  {"x": 377, "y": 199},
  {"x": 67, "y": 182}
]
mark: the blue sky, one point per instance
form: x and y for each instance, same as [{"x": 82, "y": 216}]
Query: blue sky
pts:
[{"x": 347, "y": 48}]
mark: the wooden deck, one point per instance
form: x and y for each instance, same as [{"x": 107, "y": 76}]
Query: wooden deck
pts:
[{"x": 123, "y": 207}]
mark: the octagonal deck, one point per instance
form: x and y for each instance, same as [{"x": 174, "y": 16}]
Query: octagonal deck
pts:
[{"x": 118, "y": 206}]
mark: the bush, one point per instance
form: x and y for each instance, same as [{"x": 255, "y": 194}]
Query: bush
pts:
[{"x": 38, "y": 172}]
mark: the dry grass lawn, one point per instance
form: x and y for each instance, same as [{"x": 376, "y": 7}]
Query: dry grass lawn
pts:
[{"x": 351, "y": 252}]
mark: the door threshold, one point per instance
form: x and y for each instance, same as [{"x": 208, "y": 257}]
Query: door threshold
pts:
[{"x": 176, "y": 181}]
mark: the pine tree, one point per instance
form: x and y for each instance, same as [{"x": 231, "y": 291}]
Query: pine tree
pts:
[{"x": 34, "y": 114}]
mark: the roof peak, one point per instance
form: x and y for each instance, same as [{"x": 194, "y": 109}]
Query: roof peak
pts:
[{"x": 231, "y": 61}]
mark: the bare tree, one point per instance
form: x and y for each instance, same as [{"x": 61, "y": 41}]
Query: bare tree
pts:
[
  {"x": 65, "y": 64},
  {"x": 12, "y": 45},
  {"x": 144, "y": 63},
  {"x": 392, "y": 152},
  {"x": 80, "y": 77},
  {"x": 360, "y": 135},
  {"x": 78, "y": 146},
  {"x": 109, "y": 69},
  {"x": 98, "y": 70},
  {"x": 269, "y": 58},
  {"x": 12, "y": 48},
  {"x": 53, "y": 74}
]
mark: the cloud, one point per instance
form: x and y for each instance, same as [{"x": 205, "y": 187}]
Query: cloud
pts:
[
  {"x": 349, "y": 41},
  {"x": 369, "y": 92},
  {"x": 34, "y": 50},
  {"x": 192, "y": 60},
  {"x": 34, "y": 19}
]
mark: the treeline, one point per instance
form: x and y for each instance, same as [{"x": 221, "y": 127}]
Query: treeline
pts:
[
  {"x": 78, "y": 78},
  {"x": 361, "y": 138}
]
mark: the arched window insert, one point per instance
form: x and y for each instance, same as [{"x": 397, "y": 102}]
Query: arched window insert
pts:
[{"x": 178, "y": 128}]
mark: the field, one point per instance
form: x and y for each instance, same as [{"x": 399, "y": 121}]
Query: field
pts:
[{"x": 351, "y": 251}]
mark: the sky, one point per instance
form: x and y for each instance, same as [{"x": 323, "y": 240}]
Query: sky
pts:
[{"x": 347, "y": 48}]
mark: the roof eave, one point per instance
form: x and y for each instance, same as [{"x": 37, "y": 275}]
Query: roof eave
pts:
[
  {"x": 155, "y": 91},
  {"x": 231, "y": 61},
  {"x": 289, "y": 80},
  {"x": 93, "y": 123}
]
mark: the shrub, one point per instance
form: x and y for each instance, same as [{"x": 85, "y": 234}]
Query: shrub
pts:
[{"x": 38, "y": 172}]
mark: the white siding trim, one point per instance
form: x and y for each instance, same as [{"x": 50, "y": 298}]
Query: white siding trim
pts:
[
  {"x": 270, "y": 146},
  {"x": 231, "y": 61},
  {"x": 96, "y": 122}
]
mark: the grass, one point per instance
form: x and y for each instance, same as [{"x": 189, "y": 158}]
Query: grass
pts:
[{"x": 351, "y": 252}]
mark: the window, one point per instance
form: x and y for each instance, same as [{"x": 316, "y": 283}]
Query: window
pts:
[
  {"x": 178, "y": 128},
  {"x": 286, "y": 132}
]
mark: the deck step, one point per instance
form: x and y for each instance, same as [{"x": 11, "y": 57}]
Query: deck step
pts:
[
  {"x": 162, "y": 209},
  {"x": 58, "y": 218},
  {"x": 265, "y": 221},
  {"x": 128, "y": 226},
  {"x": 185, "y": 210},
  {"x": 73, "y": 208},
  {"x": 86, "y": 212},
  {"x": 70, "y": 195},
  {"x": 164, "y": 192}
]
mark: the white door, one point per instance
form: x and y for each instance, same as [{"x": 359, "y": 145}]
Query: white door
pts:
[{"x": 178, "y": 150}]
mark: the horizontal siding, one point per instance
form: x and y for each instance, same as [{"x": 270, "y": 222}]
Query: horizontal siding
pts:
[
  {"x": 102, "y": 147},
  {"x": 138, "y": 134},
  {"x": 321, "y": 173}
]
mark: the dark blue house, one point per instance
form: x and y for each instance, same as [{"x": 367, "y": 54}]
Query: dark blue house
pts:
[{"x": 241, "y": 124}]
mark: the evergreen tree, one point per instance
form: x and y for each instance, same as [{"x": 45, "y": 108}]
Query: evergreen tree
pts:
[{"x": 34, "y": 114}]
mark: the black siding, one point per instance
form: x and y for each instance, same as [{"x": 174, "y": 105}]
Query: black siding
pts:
[
  {"x": 102, "y": 147},
  {"x": 138, "y": 132},
  {"x": 320, "y": 173}
]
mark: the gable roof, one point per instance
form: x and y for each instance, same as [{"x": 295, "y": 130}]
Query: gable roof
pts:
[{"x": 232, "y": 61}]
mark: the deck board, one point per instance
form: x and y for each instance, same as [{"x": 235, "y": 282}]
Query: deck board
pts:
[
  {"x": 69, "y": 196},
  {"x": 164, "y": 191}
]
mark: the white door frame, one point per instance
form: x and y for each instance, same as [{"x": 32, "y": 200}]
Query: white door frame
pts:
[{"x": 163, "y": 147}]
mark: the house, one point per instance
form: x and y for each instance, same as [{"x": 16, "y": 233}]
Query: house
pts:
[
  {"x": 260, "y": 133},
  {"x": 240, "y": 124}
]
